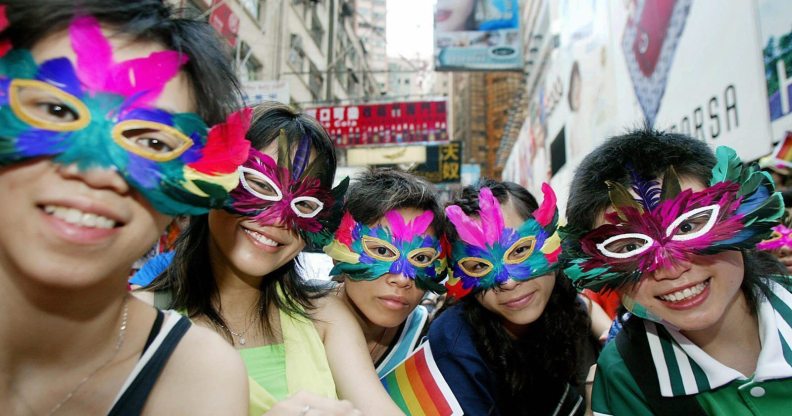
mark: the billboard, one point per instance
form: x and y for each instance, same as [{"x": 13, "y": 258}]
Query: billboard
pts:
[
  {"x": 443, "y": 163},
  {"x": 775, "y": 24},
  {"x": 257, "y": 92},
  {"x": 477, "y": 35},
  {"x": 384, "y": 124}
]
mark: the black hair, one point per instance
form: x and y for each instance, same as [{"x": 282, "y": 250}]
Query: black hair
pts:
[
  {"x": 376, "y": 191},
  {"x": 189, "y": 277},
  {"x": 209, "y": 67},
  {"x": 649, "y": 153},
  {"x": 535, "y": 367}
]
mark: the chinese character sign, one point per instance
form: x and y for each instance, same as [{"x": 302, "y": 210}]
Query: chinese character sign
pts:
[
  {"x": 378, "y": 124},
  {"x": 443, "y": 163}
]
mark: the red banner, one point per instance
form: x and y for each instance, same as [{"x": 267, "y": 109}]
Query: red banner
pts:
[
  {"x": 377, "y": 124},
  {"x": 224, "y": 21}
]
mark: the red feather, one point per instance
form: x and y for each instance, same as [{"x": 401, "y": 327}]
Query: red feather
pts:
[
  {"x": 344, "y": 232},
  {"x": 226, "y": 146}
]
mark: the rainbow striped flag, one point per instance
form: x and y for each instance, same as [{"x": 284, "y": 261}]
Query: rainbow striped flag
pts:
[
  {"x": 783, "y": 151},
  {"x": 418, "y": 388}
]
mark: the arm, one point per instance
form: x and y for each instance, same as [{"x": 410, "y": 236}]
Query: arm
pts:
[
  {"x": 353, "y": 372},
  {"x": 302, "y": 402},
  {"x": 204, "y": 376}
]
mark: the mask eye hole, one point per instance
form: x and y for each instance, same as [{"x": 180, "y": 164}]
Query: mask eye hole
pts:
[
  {"x": 380, "y": 249},
  {"x": 475, "y": 266},
  {"x": 422, "y": 257},
  {"x": 694, "y": 223},
  {"x": 44, "y": 106},
  {"x": 624, "y": 246},
  {"x": 153, "y": 141},
  {"x": 520, "y": 251},
  {"x": 306, "y": 206},
  {"x": 259, "y": 184}
]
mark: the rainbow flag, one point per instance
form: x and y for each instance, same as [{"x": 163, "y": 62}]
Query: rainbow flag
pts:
[
  {"x": 783, "y": 151},
  {"x": 418, "y": 388}
]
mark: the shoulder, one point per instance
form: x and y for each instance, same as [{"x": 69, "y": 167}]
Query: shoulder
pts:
[
  {"x": 615, "y": 391},
  {"x": 332, "y": 315},
  {"x": 205, "y": 375},
  {"x": 449, "y": 330}
]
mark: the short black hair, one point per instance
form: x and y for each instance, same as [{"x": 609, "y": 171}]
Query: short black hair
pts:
[
  {"x": 376, "y": 191},
  {"x": 648, "y": 153},
  {"x": 209, "y": 68}
]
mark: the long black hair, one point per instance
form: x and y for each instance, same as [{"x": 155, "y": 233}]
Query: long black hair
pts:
[
  {"x": 189, "y": 277},
  {"x": 532, "y": 370}
]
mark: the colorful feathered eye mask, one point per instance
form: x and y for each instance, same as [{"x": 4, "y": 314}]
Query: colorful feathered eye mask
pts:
[
  {"x": 98, "y": 114},
  {"x": 488, "y": 253},
  {"x": 664, "y": 225},
  {"x": 289, "y": 192},
  {"x": 402, "y": 247}
]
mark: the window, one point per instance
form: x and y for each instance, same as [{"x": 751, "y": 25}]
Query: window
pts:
[
  {"x": 296, "y": 53},
  {"x": 315, "y": 81},
  {"x": 248, "y": 67},
  {"x": 252, "y": 6},
  {"x": 317, "y": 31}
]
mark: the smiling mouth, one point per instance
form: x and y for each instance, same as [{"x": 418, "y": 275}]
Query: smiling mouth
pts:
[
  {"x": 261, "y": 238},
  {"x": 685, "y": 294},
  {"x": 80, "y": 218}
]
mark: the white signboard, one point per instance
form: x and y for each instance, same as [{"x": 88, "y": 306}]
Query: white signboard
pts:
[{"x": 257, "y": 92}]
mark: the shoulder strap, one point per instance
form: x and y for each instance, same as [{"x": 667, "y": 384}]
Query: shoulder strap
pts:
[
  {"x": 155, "y": 329},
  {"x": 136, "y": 394},
  {"x": 634, "y": 349}
]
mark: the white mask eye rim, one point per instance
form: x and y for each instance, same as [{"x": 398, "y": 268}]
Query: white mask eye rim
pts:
[
  {"x": 687, "y": 215},
  {"x": 320, "y": 206},
  {"x": 242, "y": 170},
  {"x": 607, "y": 253}
]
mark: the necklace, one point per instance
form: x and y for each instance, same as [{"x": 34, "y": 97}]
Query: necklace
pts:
[
  {"x": 119, "y": 343},
  {"x": 241, "y": 335}
]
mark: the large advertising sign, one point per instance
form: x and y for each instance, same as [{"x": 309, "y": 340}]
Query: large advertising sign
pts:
[
  {"x": 443, "y": 163},
  {"x": 775, "y": 24},
  {"x": 257, "y": 92},
  {"x": 384, "y": 124},
  {"x": 477, "y": 35}
]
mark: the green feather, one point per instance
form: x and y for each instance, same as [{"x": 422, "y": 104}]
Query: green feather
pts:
[
  {"x": 728, "y": 166},
  {"x": 621, "y": 198},
  {"x": 671, "y": 187},
  {"x": 284, "y": 159}
]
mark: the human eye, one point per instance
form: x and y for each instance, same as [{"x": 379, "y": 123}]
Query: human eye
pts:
[
  {"x": 306, "y": 206},
  {"x": 151, "y": 140},
  {"x": 694, "y": 223},
  {"x": 380, "y": 249},
  {"x": 259, "y": 184},
  {"x": 520, "y": 250},
  {"x": 47, "y": 107},
  {"x": 474, "y": 266},
  {"x": 422, "y": 257},
  {"x": 625, "y": 245}
]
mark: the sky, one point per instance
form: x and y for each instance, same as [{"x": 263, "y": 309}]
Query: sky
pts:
[{"x": 409, "y": 28}]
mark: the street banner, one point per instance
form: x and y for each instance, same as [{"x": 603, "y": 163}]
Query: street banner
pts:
[
  {"x": 384, "y": 124},
  {"x": 443, "y": 163},
  {"x": 480, "y": 35},
  {"x": 257, "y": 92}
]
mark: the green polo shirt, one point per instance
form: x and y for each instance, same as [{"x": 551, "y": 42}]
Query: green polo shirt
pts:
[{"x": 685, "y": 369}]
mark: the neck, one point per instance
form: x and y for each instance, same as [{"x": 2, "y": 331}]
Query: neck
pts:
[
  {"x": 734, "y": 339},
  {"x": 37, "y": 319},
  {"x": 237, "y": 292},
  {"x": 371, "y": 331}
]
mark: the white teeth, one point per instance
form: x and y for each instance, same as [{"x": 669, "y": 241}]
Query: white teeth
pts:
[
  {"x": 261, "y": 238},
  {"x": 77, "y": 217},
  {"x": 685, "y": 293}
]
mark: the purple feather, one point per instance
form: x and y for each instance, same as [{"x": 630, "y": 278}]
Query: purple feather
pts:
[
  {"x": 301, "y": 157},
  {"x": 648, "y": 191}
]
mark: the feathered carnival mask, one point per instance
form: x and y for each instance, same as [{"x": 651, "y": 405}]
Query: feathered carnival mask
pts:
[
  {"x": 488, "y": 253},
  {"x": 665, "y": 225},
  {"x": 781, "y": 238},
  {"x": 401, "y": 247},
  {"x": 291, "y": 192},
  {"x": 98, "y": 113}
]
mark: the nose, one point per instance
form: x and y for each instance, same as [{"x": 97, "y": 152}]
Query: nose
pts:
[
  {"x": 673, "y": 270},
  {"x": 509, "y": 284},
  {"x": 399, "y": 280},
  {"x": 97, "y": 178}
]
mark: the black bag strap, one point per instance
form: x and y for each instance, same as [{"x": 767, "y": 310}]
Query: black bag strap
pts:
[{"x": 634, "y": 350}]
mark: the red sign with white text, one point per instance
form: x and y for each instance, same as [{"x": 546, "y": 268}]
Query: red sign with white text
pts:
[
  {"x": 378, "y": 124},
  {"x": 224, "y": 21}
]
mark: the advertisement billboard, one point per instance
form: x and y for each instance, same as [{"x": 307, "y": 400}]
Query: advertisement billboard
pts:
[
  {"x": 474, "y": 35},
  {"x": 384, "y": 124},
  {"x": 443, "y": 163},
  {"x": 775, "y": 24}
]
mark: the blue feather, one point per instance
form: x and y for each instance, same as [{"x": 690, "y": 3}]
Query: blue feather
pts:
[
  {"x": 301, "y": 157},
  {"x": 648, "y": 191}
]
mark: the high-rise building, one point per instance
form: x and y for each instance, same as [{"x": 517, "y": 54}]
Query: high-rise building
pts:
[{"x": 371, "y": 28}]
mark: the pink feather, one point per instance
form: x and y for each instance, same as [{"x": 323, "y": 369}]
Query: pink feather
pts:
[
  {"x": 546, "y": 212},
  {"x": 396, "y": 224},
  {"x": 3, "y": 17},
  {"x": 469, "y": 231},
  {"x": 226, "y": 147},
  {"x": 491, "y": 216},
  {"x": 97, "y": 70},
  {"x": 407, "y": 231}
]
